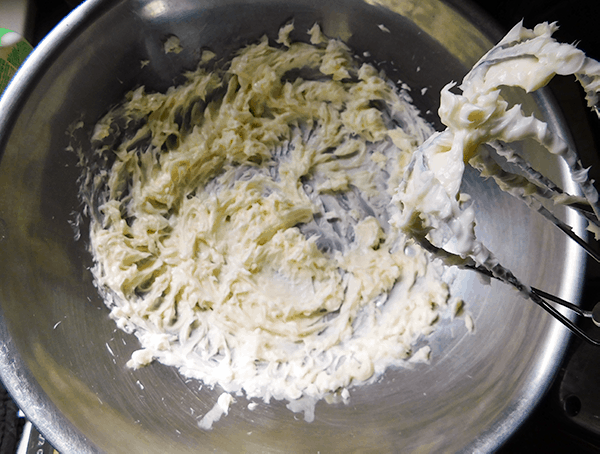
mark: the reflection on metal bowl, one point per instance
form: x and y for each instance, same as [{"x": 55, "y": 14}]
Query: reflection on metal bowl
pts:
[{"x": 63, "y": 359}]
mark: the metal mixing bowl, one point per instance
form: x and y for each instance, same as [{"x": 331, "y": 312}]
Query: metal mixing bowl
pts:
[{"x": 62, "y": 358}]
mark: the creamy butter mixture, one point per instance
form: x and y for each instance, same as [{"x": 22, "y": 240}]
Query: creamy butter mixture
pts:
[{"x": 242, "y": 224}]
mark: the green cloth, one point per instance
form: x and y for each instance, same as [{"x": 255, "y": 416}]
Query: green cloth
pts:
[{"x": 11, "y": 57}]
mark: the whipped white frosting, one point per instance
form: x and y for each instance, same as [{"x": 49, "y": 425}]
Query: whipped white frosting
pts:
[{"x": 242, "y": 230}]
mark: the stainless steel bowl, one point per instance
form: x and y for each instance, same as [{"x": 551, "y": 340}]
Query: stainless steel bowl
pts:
[{"x": 62, "y": 358}]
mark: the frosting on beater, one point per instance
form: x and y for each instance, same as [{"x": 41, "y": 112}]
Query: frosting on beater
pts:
[{"x": 478, "y": 119}]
